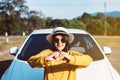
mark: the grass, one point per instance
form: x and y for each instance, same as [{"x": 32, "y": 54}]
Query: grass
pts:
[
  {"x": 108, "y": 40},
  {"x": 4, "y": 46}
]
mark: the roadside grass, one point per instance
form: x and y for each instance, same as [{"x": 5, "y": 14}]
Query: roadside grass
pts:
[
  {"x": 5, "y": 46},
  {"x": 108, "y": 40}
]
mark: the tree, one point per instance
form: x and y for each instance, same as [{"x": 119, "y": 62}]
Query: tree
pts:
[
  {"x": 48, "y": 21},
  {"x": 76, "y": 24},
  {"x": 55, "y": 23},
  {"x": 114, "y": 25},
  {"x": 35, "y": 21},
  {"x": 86, "y": 18},
  {"x": 11, "y": 11},
  {"x": 100, "y": 16},
  {"x": 96, "y": 27},
  {"x": 16, "y": 17}
]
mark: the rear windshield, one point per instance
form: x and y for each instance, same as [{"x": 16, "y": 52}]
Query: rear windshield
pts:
[{"x": 82, "y": 43}]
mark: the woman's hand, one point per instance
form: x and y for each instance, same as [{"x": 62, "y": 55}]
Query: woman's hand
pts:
[
  {"x": 58, "y": 56},
  {"x": 52, "y": 55},
  {"x": 66, "y": 55}
]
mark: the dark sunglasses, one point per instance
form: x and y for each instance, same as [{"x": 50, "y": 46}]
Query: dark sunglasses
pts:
[{"x": 63, "y": 40}]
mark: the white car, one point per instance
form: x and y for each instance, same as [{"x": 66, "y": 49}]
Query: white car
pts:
[{"x": 99, "y": 69}]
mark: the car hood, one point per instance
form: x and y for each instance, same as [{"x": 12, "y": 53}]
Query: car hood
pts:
[
  {"x": 20, "y": 70},
  {"x": 97, "y": 70}
]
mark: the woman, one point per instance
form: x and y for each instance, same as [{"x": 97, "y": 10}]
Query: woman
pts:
[{"x": 60, "y": 63}]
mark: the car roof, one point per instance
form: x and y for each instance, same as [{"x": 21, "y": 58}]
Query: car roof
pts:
[{"x": 49, "y": 30}]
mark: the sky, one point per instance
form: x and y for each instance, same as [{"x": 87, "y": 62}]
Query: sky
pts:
[{"x": 68, "y": 9}]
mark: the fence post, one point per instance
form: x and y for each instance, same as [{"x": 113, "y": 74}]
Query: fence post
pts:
[
  {"x": 23, "y": 34},
  {"x": 7, "y": 39}
]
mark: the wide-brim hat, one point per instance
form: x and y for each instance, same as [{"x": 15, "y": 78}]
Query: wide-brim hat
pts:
[{"x": 60, "y": 30}]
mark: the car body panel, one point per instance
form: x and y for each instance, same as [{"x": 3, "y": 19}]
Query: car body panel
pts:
[
  {"x": 22, "y": 69},
  {"x": 99, "y": 69}
]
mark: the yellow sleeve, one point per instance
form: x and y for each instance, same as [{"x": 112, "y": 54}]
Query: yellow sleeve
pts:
[
  {"x": 39, "y": 59},
  {"x": 79, "y": 60}
]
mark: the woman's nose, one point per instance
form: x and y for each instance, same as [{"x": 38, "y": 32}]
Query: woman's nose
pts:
[{"x": 59, "y": 41}]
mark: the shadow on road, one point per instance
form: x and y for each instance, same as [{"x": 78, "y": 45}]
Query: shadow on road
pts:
[{"x": 4, "y": 65}]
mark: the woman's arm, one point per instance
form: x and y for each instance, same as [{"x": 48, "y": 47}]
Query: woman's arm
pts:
[{"x": 79, "y": 59}]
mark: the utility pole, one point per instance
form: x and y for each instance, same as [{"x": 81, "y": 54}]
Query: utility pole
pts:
[{"x": 105, "y": 28}]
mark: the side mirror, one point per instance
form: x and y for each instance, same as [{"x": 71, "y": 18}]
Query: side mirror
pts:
[
  {"x": 107, "y": 50},
  {"x": 13, "y": 50}
]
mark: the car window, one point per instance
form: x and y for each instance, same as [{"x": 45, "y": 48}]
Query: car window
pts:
[
  {"x": 34, "y": 45},
  {"x": 82, "y": 43}
]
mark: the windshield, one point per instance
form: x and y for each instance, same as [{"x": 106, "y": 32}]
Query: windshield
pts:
[{"x": 82, "y": 43}]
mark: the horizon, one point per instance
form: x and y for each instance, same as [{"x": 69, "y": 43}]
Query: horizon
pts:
[{"x": 69, "y": 9}]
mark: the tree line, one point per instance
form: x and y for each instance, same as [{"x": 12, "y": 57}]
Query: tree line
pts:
[{"x": 16, "y": 18}]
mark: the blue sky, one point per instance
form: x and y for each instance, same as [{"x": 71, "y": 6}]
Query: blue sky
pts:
[{"x": 71, "y": 8}]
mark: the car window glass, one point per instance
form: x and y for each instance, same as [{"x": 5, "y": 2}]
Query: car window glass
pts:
[
  {"x": 83, "y": 43},
  {"x": 88, "y": 42},
  {"x": 34, "y": 45}
]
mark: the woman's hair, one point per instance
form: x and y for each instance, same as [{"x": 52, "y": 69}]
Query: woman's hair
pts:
[{"x": 66, "y": 41}]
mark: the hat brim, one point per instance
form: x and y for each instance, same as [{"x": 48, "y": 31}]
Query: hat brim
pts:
[{"x": 70, "y": 37}]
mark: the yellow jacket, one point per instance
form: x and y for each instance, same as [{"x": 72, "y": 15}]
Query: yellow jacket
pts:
[{"x": 60, "y": 70}]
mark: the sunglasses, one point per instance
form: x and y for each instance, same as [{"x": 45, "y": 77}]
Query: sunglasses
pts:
[{"x": 63, "y": 40}]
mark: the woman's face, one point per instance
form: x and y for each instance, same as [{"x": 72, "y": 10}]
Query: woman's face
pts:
[{"x": 59, "y": 42}]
